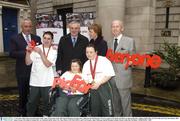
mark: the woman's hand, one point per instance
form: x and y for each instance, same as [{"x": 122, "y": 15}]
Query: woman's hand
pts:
[
  {"x": 95, "y": 86},
  {"x": 72, "y": 89},
  {"x": 29, "y": 48},
  {"x": 38, "y": 50}
]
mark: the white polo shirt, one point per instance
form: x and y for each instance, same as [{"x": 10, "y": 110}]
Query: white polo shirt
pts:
[
  {"x": 42, "y": 76},
  {"x": 103, "y": 68},
  {"x": 69, "y": 76}
]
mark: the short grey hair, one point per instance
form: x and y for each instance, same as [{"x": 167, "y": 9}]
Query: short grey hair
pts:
[
  {"x": 119, "y": 21},
  {"x": 26, "y": 19}
]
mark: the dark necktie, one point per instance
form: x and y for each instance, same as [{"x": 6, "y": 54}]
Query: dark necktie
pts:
[
  {"x": 74, "y": 41},
  {"x": 115, "y": 44}
]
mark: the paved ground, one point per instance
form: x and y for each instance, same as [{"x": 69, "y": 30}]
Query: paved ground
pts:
[{"x": 142, "y": 105}]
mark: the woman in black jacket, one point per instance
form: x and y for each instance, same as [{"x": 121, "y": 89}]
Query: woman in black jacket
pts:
[{"x": 95, "y": 33}]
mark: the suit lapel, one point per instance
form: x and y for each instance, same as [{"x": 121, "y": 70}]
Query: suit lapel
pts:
[
  {"x": 78, "y": 39},
  {"x": 22, "y": 38},
  {"x": 111, "y": 44},
  {"x": 69, "y": 40},
  {"x": 33, "y": 37}
]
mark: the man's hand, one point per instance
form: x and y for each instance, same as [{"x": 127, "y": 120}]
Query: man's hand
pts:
[{"x": 29, "y": 48}]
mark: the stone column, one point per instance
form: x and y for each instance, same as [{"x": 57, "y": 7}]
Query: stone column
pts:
[
  {"x": 108, "y": 10},
  {"x": 1, "y": 32},
  {"x": 21, "y": 17},
  {"x": 179, "y": 36},
  {"x": 140, "y": 23}
]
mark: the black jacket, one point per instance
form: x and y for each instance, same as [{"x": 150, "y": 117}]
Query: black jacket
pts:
[
  {"x": 66, "y": 51},
  {"x": 101, "y": 45},
  {"x": 18, "y": 51}
]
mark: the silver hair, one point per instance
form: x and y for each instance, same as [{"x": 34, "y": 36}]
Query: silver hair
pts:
[
  {"x": 74, "y": 22},
  {"x": 120, "y": 23}
]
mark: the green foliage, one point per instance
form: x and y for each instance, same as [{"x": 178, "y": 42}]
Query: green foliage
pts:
[{"x": 170, "y": 53}]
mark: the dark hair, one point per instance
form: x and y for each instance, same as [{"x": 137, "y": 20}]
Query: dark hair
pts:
[
  {"x": 49, "y": 33},
  {"x": 93, "y": 46},
  {"x": 78, "y": 62},
  {"x": 97, "y": 29}
]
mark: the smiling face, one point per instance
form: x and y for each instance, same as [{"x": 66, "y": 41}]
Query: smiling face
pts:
[
  {"x": 74, "y": 29},
  {"x": 47, "y": 40},
  {"x": 117, "y": 28},
  {"x": 92, "y": 34},
  {"x": 91, "y": 53},
  {"x": 75, "y": 67}
]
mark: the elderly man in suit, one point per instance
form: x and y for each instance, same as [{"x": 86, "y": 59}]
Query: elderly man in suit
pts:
[
  {"x": 18, "y": 44},
  {"x": 123, "y": 78},
  {"x": 71, "y": 46}
]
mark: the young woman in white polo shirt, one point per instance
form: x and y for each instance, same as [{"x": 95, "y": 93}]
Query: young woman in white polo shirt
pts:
[
  {"x": 98, "y": 70},
  {"x": 66, "y": 103},
  {"x": 42, "y": 58}
]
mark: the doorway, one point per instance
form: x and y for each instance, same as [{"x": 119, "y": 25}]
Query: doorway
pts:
[
  {"x": 63, "y": 13},
  {"x": 10, "y": 28}
]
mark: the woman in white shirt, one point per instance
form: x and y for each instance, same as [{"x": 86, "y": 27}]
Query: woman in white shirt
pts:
[
  {"x": 66, "y": 103},
  {"x": 42, "y": 58},
  {"x": 98, "y": 70}
]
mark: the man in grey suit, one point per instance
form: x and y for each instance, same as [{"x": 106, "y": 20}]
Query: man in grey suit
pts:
[{"x": 123, "y": 78}]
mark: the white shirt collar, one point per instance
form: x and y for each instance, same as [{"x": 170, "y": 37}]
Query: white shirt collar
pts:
[
  {"x": 93, "y": 61},
  {"x": 25, "y": 36},
  {"x": 119, "y": 38}
]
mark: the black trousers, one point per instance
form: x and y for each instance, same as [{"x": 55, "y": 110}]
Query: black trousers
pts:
[
  {"x": 101, "y": 101},
  {"x": 66, "y": 105},
  {"x": 34, "y": 96},
  {"x": 23, "y": 88}
]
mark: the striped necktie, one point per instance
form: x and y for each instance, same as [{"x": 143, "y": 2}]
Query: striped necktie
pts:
[
  {"x": 74, "y": 41},
  {"x": 27, "y": 39}
]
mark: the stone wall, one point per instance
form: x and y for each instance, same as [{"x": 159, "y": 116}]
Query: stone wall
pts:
[
  {"x": 51, "y": 6},
  {"x": 139, "y": 23},
  {"x": 45, "y": 6},
  {"x": 174, "y": 23},
  {"x": 144, "y": 19}
]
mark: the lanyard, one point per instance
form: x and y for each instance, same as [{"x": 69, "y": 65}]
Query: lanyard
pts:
[
  {"x": 47, "y": 51},
  {"x": 93, "y": 69}
]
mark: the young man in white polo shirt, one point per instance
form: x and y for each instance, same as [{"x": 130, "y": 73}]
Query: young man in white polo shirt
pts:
[
  {"x": 98, "y": 70},
  {"x": 42, "y": 58}
]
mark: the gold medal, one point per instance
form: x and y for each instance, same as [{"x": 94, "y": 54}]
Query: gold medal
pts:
[{"x": 93, "y": 82}]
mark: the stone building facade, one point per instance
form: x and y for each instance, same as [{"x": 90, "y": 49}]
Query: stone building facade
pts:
[{"x": 144, "y": 19}]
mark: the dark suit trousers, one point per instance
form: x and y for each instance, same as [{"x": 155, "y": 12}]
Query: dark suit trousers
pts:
[{"x": 23, "y": 87}]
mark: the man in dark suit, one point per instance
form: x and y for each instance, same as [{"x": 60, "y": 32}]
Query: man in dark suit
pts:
[
  {"x": 18, "y": 44},
  {"x": 71, "y": 46}
]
